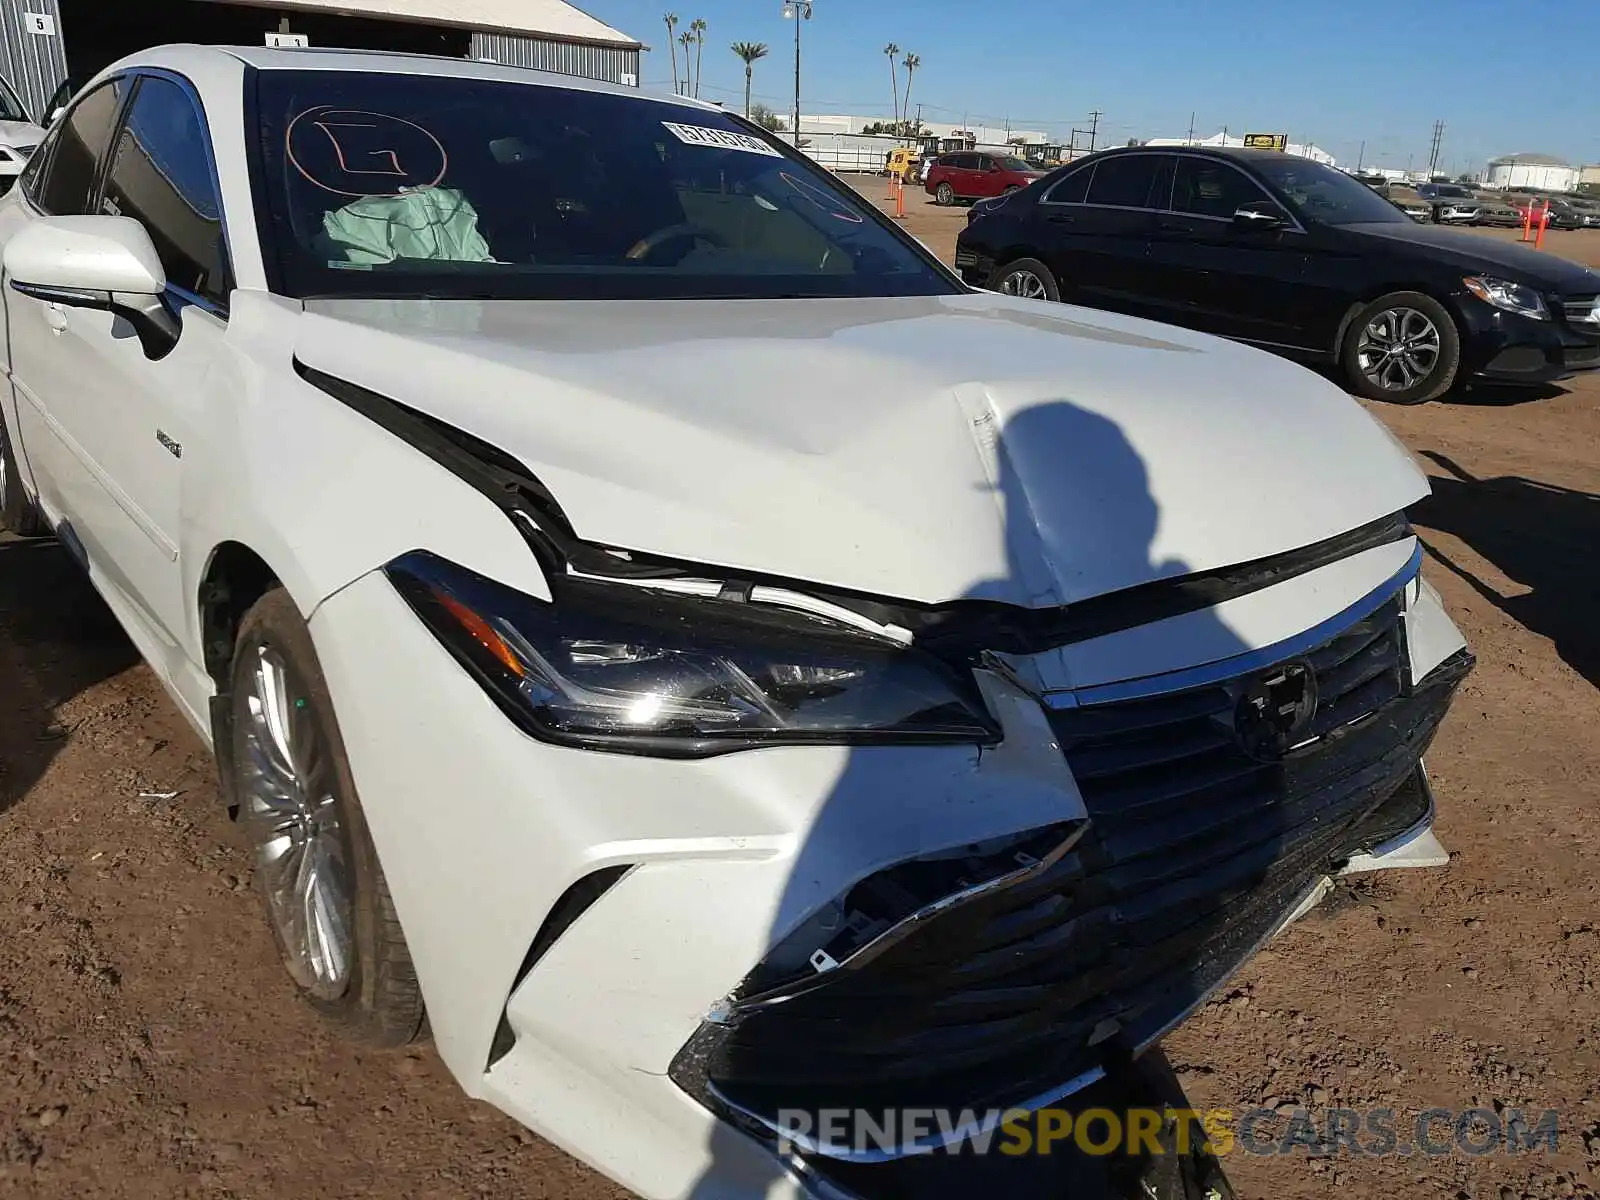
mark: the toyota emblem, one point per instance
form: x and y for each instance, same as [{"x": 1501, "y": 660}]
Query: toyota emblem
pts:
[{"x": 1275, "y": 710}]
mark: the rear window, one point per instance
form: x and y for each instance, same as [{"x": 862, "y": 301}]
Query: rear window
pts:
[
  {"x": 412, "y": 185},
  {"x": 1124, "y": 182}
]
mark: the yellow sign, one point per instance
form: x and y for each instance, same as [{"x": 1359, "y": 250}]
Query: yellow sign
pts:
[{"x": 1267, "y": 141}]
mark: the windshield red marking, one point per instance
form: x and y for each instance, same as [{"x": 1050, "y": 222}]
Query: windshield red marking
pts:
[{"x": 382, "y": 155}]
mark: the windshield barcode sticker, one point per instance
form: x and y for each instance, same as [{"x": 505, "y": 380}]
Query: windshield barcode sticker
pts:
[{"x": 720, "y": 139}]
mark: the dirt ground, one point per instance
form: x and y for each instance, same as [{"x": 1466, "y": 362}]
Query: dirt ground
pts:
[{"x": 150, "y": 1045}]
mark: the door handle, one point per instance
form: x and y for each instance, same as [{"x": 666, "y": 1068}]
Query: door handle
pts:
[
  {"x": 1171, "y": 226},
  {"x": 1061, "y": 218},
  {"x": 56, "y": 317}
]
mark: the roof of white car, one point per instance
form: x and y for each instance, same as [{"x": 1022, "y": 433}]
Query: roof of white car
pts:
[{"x": 190, "y": 59}]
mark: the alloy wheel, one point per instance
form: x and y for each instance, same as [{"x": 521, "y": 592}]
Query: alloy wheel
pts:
[
  {"x": 1399, "y": 348},
  {"x": 1024, "y": 283},
  {"x": 291, "y": 816}
]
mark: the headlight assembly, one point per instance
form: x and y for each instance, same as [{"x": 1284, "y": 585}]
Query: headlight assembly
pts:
[
  {"x": 637, "y": 670},
  {"x": 1512, "y": 297}
]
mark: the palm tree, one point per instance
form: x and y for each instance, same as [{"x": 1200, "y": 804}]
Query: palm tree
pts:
[
  {"x": 749, "y": 52},
  {"x": 911, "y": 63},
  {"x": 672, "y": 22},
  {"x": 699, "y": 28},
  {"x": 894, "y": 84},
  {"x": 686, "y": 40}
]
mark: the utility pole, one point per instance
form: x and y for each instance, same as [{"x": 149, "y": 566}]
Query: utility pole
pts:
[
  {"x": 1190, "y": 140},
  {"x": 797, "y": 11},
  {"x": 1361, "y": 155},
  {"x": 1094, "y": 127},
  {"x": 919, "y": 118},
  {"x": 1433, "y": 154}
]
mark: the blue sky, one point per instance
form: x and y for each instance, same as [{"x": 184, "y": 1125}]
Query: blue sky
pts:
[{"x": 1504, "y": 76}]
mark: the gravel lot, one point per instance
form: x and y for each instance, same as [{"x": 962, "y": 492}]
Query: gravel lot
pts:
[{"x": 150, "y": 1046}]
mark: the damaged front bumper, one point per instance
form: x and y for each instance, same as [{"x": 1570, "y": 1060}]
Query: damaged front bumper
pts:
[
  {"x": 1207, "y": 832},
  {"x": 645, "y": 960}
]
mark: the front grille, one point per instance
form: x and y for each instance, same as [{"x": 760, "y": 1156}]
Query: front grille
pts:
[
  {"x": 1578, "y": 310},
  {"x": 1195, "y": 853}
]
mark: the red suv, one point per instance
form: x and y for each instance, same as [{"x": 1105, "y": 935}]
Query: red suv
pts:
[{"x": 974, "y": 175}]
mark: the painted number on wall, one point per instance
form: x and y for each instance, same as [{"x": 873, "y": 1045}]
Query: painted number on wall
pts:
[{"x": 42, "y": 24}]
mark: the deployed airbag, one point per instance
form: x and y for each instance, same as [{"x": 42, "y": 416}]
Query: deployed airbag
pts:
[{"x": 431, "y": 223}]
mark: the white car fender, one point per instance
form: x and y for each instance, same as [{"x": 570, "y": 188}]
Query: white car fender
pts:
[{"x": 325, "y": 496}]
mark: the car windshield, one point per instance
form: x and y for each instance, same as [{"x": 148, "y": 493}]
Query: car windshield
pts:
[
  {"x": 1323, "y": 194},
  {"x": 449, "y": 187},
  {"x": 10, "y": 107},
  {"x": 1011, "y": 163}
]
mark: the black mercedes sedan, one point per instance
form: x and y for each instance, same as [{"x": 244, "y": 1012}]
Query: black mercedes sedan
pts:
[{"x": 1292, "y": 256}]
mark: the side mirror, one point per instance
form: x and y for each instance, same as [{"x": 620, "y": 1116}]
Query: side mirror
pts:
[
  {"x": 105, "y": 263},
  {"x": 54, "y": 113},
  {"x": 1260, "y": 215}
]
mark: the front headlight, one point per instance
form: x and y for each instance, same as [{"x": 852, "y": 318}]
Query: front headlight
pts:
[
  {"x": 639, "y": 670},
  {"x": 1512, "y": 297}
]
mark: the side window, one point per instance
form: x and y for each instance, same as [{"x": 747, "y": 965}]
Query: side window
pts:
[
  {"x": 1207, "y": 188},
  {"x": 965, "y": 162},
  {"x": 1125, "y": 182},
  {"x": 985, "y": 162},
  {"x": 1073, "y": 189},
  {"x": 161, "y": 176},
  {"x": 64, "y": 185},
  {"x": 11, "y": 108}
]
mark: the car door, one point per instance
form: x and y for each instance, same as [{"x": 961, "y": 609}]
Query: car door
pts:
[
  {"x": 1093, "y": 227},
  {"x": 130, "y": 414},
  {"x": 958, "y": 170},
  {"x": 1224, "y": 275},
  {"x": 986, "y": 178},
  {"x": 47, "y": 376}
]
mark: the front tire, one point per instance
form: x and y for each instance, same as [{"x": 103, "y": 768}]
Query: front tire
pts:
[
  {"x": 1025, "y": 277},
  {"x": 18, "y": 513},
  {"x": 1403, "y": 348},
  {"x": 315, "y": 865},
  {"x": 944, "y": 194}
]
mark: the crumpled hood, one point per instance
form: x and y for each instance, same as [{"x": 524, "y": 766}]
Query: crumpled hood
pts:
[{"x": 921, "y": 448}]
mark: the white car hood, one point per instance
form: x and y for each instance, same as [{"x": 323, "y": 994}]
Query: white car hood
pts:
[
  {"x": 20, "y": 133},
  {"x": 923, "y": 448}
]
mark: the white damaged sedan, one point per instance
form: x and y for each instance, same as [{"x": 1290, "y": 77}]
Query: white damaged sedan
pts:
[{"x": 659, "y": 628}]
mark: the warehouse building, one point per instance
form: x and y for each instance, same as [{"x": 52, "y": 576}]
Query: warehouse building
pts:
[{"x": 43, "y": 42}]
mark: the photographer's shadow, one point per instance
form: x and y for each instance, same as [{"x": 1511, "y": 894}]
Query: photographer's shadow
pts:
[{"x": 1077, "y": 506}]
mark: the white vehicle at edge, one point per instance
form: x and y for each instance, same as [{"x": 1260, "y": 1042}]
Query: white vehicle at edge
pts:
[
  {"x": 19, "y": 135},
  {"x": 711, "y": 601}
]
